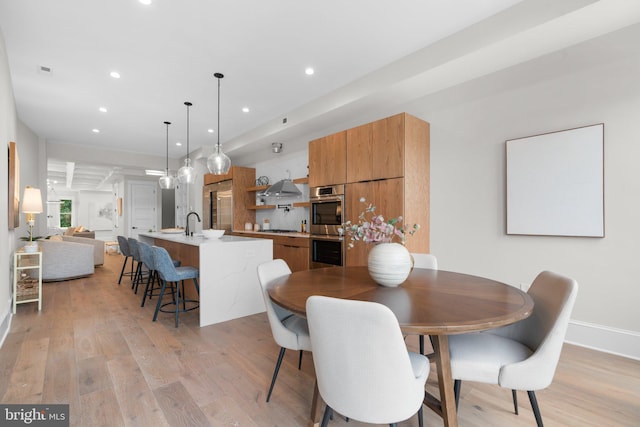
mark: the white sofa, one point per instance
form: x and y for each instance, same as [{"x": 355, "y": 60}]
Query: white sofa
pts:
[
  {"x": 66, "y": 260},
  {"x": 98, "y": 253}
]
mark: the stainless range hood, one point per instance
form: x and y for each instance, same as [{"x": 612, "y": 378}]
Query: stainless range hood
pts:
[{"x": 283, "y": 188}]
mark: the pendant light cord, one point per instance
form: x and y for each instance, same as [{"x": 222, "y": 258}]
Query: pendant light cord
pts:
[
  {"x": 218, "y": 76},
  {"x": 188, "y": 104},
  {"x": 167, "y": 168}
]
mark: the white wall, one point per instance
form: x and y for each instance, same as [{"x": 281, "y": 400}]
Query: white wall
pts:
[
  {"x": 469, "y": 125},
  {"x": 8, "y": 132}
]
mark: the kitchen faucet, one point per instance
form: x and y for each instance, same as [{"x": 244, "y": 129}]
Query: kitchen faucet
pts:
[{"x": 186, "y": 230}]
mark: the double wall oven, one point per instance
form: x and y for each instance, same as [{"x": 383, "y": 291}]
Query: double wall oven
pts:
[{"x": 326, "y": 246}]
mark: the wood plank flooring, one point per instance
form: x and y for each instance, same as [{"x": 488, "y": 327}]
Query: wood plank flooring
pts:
[{"x": 94, "y": 347}]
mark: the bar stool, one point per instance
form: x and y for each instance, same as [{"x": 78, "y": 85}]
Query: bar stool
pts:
[
  {"x": 124, "y": 248},
  {"x": 177, "y": 275},
  {"x": 140, "y": 274},
  {"x": 146, "y": 255}
]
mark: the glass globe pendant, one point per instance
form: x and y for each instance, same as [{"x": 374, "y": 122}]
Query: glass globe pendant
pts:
[
  {"x": 187, "y": 174},
  {"x": 167, "y": 182},
  {"x": 218, "y": 162}
]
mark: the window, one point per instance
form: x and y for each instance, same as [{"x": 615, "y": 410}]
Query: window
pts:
[{"x": 65, "y": 213}]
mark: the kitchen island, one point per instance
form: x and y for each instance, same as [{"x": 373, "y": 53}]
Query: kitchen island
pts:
[{"x": 229, "y": 286}]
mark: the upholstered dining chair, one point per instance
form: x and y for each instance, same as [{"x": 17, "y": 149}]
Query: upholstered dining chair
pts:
[
  {"x": 146, "y": 256},
  {"x": 123, "y": 244},
  {"x": 363, "y": 368},
  {"x": 522, "y": 356},
  {"x": 169, "y": 273},
  {"x": 140, "y": 274},
  {"x": 289, "y": 331},
  {"x": 424, "y": 261}
]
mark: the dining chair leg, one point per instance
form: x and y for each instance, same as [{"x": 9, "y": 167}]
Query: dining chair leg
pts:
[
  {"x": 328, "y": 412},
  {"x": 124, "y": 265},
  {"x": 420, "y": 417},
  {"x": 515, "y": 401},
  {"x": 422, "y": 344},
  {"x": 534, "y": 405},
  {"x": 275, "y": 372},
  {"x": 150, "y": 281},
  {"x": 178, "y": 300},
  {"x": 300, "y": 361},
  {"x": 195, "y": 282},
  {"x": 456, "y": 391},
  {"x": 164, "y": 286},
  {"x": 137, "y": 278}
]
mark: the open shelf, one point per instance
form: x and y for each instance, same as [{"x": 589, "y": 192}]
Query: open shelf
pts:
[{"x": 257, "y": 208}]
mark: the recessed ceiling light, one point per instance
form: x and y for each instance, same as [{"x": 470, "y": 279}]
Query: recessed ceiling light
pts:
[
  {"x": 115, "y": 74},
  {"x": 245, "y": 109},
  {"x": 210, "y": 130},
  {"x": 145, "y": 2},
  {"x": 179, "y": 144},
  {"x": 309, "y": 71},
  {"x": 102, "y": 110},
  {"x": 95, "y": 130}
]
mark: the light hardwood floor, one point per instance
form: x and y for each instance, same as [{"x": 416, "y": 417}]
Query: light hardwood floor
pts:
[{"x": 94, "y": 347}]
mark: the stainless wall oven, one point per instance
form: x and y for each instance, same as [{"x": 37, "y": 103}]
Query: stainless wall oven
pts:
[
  {"x": 326, "y": 210},
  {"x": 326, "y": 246},
  {"x": 326, "y": 251}
]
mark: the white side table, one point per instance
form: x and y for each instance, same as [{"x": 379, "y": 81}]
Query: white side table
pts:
[{"x": 27, "y": 278}]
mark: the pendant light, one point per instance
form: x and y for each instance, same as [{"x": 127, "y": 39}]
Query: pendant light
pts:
[
  {"x": 218, "y": 162},
  {"x": 167, "y": 182},
  {"x": 187, "y": 174}
]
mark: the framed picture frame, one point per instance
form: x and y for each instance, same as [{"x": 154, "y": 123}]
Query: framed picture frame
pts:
[
  {"x": 13, "y": 217},
  {"x": 555, "y": 183}
]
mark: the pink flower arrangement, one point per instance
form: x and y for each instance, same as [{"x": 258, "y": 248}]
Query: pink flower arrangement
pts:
[{"x": 375, "y": 229}]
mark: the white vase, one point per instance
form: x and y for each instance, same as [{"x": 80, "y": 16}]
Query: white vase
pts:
[{"x": 389, "y": 264}]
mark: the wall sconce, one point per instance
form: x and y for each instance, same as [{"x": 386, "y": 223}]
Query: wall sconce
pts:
[{"x": 276, "y": 147}]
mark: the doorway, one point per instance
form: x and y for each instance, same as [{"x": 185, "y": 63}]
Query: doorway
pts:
[{"x": 143, "y": 200}]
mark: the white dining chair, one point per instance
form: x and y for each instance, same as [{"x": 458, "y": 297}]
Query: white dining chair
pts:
[
  {"x": 522, "y": 356},
  {"x": 363, "y": 368},
  {"x": 424, "y": 261},
  {"x": 289, "y": 331}
]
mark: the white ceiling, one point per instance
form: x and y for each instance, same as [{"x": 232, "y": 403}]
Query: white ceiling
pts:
[{"x": 370, "y": 57}]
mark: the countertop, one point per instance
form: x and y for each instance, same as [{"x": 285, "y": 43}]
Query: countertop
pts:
[
  {"x": 270, "y": 234},
  {"x": 196, "y": 240}
]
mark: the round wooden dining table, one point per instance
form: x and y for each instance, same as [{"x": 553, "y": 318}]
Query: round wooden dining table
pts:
[{"x": 430, "y": 302}]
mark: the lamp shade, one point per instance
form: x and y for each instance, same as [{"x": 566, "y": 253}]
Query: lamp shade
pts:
[{"x": 31, "y": 200}]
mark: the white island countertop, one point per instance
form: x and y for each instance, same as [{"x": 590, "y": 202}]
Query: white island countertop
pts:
[{"x": 197, "y": 239}]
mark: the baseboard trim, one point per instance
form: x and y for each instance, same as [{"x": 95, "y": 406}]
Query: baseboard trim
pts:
[
  {"x": 5, "y": 325},
  {"x": 603, "y": 338}
]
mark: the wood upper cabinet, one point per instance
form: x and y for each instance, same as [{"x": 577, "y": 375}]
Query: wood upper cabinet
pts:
[
  {"x": 328, "y": 160},
  {"x": 360, "y": 153},
  {"x": 388, "y": 140}
]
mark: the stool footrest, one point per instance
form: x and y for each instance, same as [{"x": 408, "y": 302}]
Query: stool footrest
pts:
[{"x": 181, "y": 302}]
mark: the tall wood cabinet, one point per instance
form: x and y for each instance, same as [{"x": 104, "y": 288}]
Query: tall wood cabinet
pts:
[
  {"x": 242, "y": 179},
  {"x": 386, "y": 162},
  {"x": 387, "y": 195}
]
